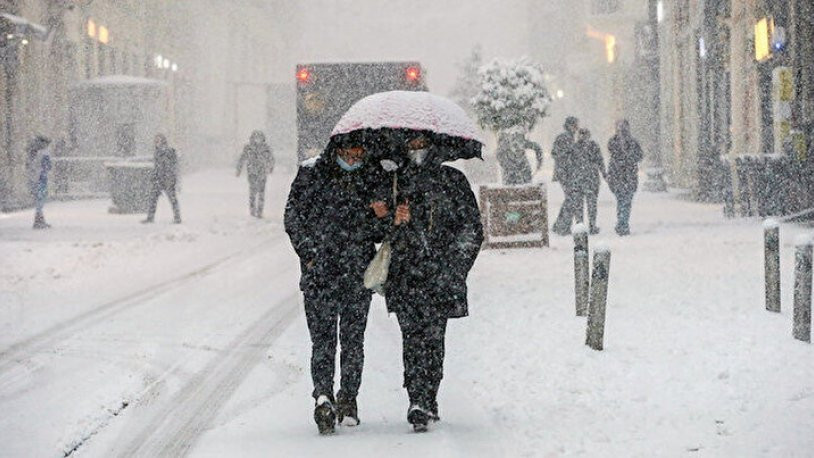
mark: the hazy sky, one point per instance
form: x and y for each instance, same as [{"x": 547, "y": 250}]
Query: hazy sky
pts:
[{"x": 438, "y": 33}]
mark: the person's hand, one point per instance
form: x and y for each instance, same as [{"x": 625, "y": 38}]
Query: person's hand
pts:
[
  {"x": 402, "y": 214},
  {"x": 380, "y": 209}
]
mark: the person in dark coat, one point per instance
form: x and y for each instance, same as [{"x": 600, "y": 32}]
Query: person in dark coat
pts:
[
  {"x": 623, "y": 173},
  {"x": 38, "y": 164},
  {"x": 511, "y": 155},
  {"x": 165, "y": 178},
  {"x": 436, "y": 236},
  {"x": 564, "y": 154},
  {"x": 329, "y": 219},
  {"x": 590, "y": 166},
  {"x": 259, "y": 161}
]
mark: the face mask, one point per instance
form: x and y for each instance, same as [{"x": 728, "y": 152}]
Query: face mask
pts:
[
  {"x": 417, "y": 156},
  {"x": 348, "y": 167}
]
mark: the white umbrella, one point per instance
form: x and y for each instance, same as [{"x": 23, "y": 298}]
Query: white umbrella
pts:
[{"x": 413, "y": 110}]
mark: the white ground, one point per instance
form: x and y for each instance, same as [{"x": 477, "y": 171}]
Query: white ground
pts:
[{"x": 123, "y": 339}]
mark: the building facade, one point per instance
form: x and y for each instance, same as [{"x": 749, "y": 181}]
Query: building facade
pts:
[
  {"x": 206, "y": 52},
  {"x": 719, "y": 96},
  {"x": 608, "y": 70}
]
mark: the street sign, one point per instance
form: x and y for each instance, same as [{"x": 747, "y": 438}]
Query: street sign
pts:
[{"x": 514, "y": 216}]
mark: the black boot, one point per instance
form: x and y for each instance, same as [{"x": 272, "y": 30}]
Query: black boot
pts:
[
  {"x": 325, "y": 415},
  {"x": 432, "y": 410},
  {"x": 346, "y": 412},
  {"x": 418, "y": 417},
  {"x": 39, "y": 222}
]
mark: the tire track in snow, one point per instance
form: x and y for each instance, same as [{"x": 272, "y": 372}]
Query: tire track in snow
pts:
[
  {"x": 12, "y": 356},
  {"x": 175, "y": 428}
]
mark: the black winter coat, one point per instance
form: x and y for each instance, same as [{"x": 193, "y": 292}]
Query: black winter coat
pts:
[
  {"x": 589, "y": 166},
  {"x": 433, "y": 253},
  {"x": 623, "y": 166},
  {"x": 165, "y": 168},
  {"x": 331, "y": 226},
  {"x": 563, "y": 153}
]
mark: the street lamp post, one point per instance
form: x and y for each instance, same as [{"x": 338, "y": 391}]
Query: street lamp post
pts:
[{"x": 655, "y": 167}]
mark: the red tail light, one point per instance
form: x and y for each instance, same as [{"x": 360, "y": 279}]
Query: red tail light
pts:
[
  {"x": 303, "y": 75},
  {"x": 413, "y": 73}
]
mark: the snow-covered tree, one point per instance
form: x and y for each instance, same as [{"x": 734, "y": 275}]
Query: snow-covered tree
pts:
[
  {"x": 512, "y": 94},
  {"x": 468, "y": 83}
]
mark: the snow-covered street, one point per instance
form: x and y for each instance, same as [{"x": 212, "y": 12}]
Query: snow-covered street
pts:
[{"x": 123, "y": 339}]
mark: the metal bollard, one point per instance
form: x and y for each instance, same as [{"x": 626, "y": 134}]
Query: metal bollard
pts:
[
  {"x": 771, "y": 256},
  {"x": 599, "y": 298},
  {"x": 802, "y": 290},
  {"x": 581, "y": 269}
]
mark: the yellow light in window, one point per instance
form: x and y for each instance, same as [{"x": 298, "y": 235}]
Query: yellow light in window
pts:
[
  {"x": 762, "y": 39},
  {"x": 91, "y": 28},
  {"x": 103, "y": 36},
  {"x": 610, "y": 48}
]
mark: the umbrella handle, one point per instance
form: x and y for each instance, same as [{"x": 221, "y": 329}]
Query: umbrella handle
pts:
[{"x": 395, "y": 190}]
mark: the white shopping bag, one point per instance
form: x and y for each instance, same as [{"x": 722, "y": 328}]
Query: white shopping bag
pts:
[{"x": 376, "y": 272}]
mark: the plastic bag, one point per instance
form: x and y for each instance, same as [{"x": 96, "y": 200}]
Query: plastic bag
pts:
[{"x": 376, "y": 272}]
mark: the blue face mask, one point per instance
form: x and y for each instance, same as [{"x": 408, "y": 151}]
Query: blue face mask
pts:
[{"x": 348, "y": 167}]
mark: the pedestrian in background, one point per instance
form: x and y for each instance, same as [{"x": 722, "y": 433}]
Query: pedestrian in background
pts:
[
  {"x": 590, "y": 167},
  {"x": 623, "y": 173},
  {"x": 259, "y": 162},
  {"x": 38, "y": 164},
  {"x": 564, "y": 155},
  {"x": 165, "y": 178}
]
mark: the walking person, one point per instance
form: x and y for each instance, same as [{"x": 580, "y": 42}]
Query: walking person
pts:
[
  {"x": 165, "y": 178},
  {"x": 436, "y": 237},
  {"x": 623, "y": 173},
  {"x": 38, "y": 164},
  {"x": 590, "y": 167},
  {"x": 259, "y": 162},
  {"x": 564, "y": 154},
  {"x": 327, "y": 217}
]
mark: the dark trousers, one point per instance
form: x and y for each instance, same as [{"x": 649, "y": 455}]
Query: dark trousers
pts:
[
  {"x": 568, "y": 211},
  {"x": 624, "y": 202},
  {"x": 422, "y": 334},
  {"x": 586, "y": 198},
  {"x": 325, "y": 310},
  {"x": 156, "y": 192},
  {"x": 257, "y": 195}
]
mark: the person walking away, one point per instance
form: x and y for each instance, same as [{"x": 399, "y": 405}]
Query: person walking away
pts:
[
  {"x": 165, "y": 178},
  {"x": 623, "y": 173},
  {"x": 327, "y": 217},
  {"x": 436, "y": 237},
  {"x": 563, "y": 153},
  {"x": 38, "y": 164},
  {"x": 259, "y": 162},
  {"x": 590, "y": 167}
]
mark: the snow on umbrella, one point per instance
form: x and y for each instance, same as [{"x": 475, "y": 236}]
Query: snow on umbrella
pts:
[{"x": 452, "y": 128}]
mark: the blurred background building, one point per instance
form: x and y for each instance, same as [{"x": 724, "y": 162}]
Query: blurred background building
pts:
[
  {"x": 211, "y": 59},
  {"x": 726, "y": 65}
]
